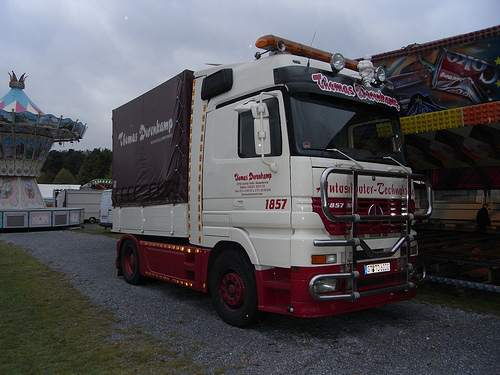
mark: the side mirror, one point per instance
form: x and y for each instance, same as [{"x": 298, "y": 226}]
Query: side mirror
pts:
[
  {"x": 259, "y": 110},
  {"x": 260, "y": 113},
  {"x": 261, "y": 136},
  {"x": 244, "y": 107},
  {"x": 261, "y": 128}
]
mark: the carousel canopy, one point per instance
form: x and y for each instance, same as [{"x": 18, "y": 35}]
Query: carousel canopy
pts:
[
  {"x": 16, "y": 100},
  {"x": 19, "y": 115}
]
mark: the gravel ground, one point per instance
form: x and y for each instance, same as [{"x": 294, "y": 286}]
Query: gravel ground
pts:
[{"x": 402, "y": 338}]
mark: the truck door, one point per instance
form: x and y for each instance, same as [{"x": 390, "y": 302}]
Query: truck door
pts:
[{"x": 246, "y": 195}]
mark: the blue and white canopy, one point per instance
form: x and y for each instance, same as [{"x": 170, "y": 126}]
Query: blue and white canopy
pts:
[
  {"x": 18, "y": 114},
  {"x": 16, "y": 100}
]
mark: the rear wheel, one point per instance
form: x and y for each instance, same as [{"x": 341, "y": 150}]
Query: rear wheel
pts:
[
  {"x": 130, "y": 263},
  {"x": 234, "y": 291}
]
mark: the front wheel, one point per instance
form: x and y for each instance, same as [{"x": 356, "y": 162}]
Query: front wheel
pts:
[
  {"x": 130, "y": 263},
  {"x": 234, "y": 291}
]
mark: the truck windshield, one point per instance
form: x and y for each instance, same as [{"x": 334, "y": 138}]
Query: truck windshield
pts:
[{"x": 324, "y": 125}]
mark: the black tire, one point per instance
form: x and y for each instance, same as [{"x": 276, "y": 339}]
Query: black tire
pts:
[
  {"x": 130, "y": 263},
  {"x": 92, "y": 220},
  {"x": 234, "y": 291}
]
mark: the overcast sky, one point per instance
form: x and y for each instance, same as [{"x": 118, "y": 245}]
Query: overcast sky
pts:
[{"x": 85, "y": 58}]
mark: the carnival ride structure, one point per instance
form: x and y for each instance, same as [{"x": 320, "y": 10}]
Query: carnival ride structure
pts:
[{"x": 26, "y": 137}]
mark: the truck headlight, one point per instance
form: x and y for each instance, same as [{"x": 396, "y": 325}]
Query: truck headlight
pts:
[{"x": 325, "y": 285}]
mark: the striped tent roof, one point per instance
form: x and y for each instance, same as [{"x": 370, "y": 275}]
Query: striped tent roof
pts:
[{"x": 16, "y": 100}]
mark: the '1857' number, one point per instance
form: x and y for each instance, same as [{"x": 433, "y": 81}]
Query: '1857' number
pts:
[{"x": 275, "y": 204}]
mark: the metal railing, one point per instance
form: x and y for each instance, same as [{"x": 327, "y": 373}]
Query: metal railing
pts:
[{"x": 354, "y": 217}]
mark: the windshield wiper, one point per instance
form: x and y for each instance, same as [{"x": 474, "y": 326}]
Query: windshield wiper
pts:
[
  {"x": 397, "y": 162},
  {"x": 347, "y": 156}
]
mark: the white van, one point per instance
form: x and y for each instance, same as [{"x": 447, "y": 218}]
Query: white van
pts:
[{"x": 106, "y": 210}]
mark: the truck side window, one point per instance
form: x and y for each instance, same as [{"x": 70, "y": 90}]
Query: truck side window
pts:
[{"x": 246, "y": 145}]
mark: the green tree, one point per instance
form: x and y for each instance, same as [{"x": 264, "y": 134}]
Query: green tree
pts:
[
  {"x": 97, "y": 164},
  {"x": 69, "y": 159},
  {"x": 85, "y": 165},
  {"x": 110, "y": 172},
  {"x": 72, "y": 161},
  {"x": 53, "y": 163},
  {"x": 46, "y": 177},
  {"x": 64, "y": 177}
]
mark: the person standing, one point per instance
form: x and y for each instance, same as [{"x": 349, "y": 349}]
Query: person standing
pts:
[{"x": 483, "y": 219}]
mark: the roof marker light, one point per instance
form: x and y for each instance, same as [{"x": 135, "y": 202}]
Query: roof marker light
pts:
[
  {"x": 368, "y": 74},
  {"x": 273, "y": 43}
]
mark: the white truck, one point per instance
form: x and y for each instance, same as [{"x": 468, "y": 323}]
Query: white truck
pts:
[
  {"x": 278, "y": 185},
  {"x": 89, "y": 200}
]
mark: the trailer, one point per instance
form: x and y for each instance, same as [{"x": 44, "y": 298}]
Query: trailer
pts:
[
  {"x": 89, "y": 200},
  {"x": 47, "y": 191}
]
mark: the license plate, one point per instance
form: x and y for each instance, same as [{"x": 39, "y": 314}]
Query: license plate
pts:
[{"x": 377, "y": 268}]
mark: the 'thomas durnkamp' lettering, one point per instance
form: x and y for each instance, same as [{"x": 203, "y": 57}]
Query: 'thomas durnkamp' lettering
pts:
[
  {"x": 356, "y": 90},
  {"x": 146, "y": 132},
  {"x": 253, "y": 176}
]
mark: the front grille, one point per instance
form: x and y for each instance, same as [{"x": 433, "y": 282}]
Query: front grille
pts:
[
  {"x": 389, "y": 207},
  {"x": 365, "y": 207}
]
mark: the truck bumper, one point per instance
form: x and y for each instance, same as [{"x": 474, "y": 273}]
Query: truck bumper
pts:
[{"x": 289, "y": 291}]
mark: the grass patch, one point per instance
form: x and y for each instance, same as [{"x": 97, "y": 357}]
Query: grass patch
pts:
[
  {"x": 47, "y": 327},
  {"x": 98, "y": 230}
]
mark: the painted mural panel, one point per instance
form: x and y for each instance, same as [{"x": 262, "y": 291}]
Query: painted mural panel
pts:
[
  {"x": 20, "y": 192},
  {"x": 23, "y": 155},
  {"x": 8, "y": 192},
  {"x": 446, "y": 74},
  {"x": 31, "y": 194}
]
